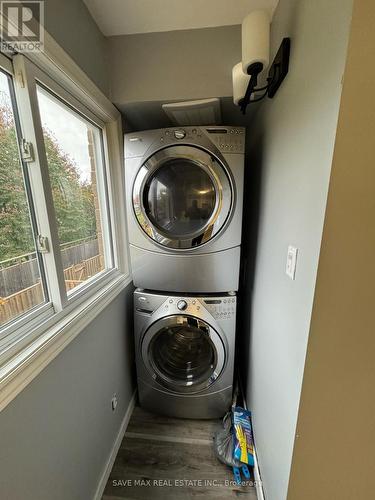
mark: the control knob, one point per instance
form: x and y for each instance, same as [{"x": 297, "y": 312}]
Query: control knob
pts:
[
  {"x": 179, "y": 134},
  {"x": 182, "y": 305}
]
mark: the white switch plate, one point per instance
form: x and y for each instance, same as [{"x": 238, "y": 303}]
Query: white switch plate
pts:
[{"x": 291, "y": 262}]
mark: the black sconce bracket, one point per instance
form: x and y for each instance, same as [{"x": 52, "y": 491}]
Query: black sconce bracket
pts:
[{"x": 277, "y": 72}]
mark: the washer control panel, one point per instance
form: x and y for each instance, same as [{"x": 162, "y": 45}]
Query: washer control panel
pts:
[
  {"x": 182, "y": 305},
  {"x": 187, "y": 305},
  {"x": 221, "y": 308}
]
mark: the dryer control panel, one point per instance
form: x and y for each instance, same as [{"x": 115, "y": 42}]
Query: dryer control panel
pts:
[{"x": 227, "y": 139}]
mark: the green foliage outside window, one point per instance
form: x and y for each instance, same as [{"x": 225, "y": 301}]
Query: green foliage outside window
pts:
[{"x": 73, "y": 199}]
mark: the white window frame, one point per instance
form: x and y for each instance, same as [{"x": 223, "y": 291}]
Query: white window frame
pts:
[
  {"x": 27, "y": 93},
  {"x": 31, "y": 341}
]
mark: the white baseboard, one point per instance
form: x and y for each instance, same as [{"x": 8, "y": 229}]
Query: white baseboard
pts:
[
  {"x": 257, "y": 476},
  {"x": 116, "y": 445}
]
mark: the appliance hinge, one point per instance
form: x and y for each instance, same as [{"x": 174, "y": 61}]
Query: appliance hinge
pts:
[
  {"x": 27, "y": 151},
  {"x": 42, "y": 243}
]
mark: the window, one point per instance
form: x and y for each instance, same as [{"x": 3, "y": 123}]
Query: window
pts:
[
  {"x": 61, "y": 242},
  {"x": 75, "y": 162},
  {"x": 21, "y": 286},
  {"x": 63, "y": 247}
]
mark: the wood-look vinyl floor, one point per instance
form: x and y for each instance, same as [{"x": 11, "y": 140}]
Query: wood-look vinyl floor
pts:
[{"x": 170, "y": 459}]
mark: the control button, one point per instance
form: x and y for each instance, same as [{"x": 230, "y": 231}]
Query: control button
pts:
[
  {"x": 193, "y": 302},
  {"x": 182, "y": 305},
  {"x": 194, "y": 131},
  {"x": 142, "y": 299},
  {"x": 179, "y": 134},
  {"x": 171, "y": 301}
]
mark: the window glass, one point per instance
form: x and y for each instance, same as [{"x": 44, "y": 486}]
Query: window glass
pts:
[
  {"x": 74, "y": 154},
  {"x": 180, "y": 198},
  {"x": 21, "y": 287}
]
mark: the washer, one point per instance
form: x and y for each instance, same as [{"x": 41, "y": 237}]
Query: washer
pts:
[
  {"x": 185, "y": 353},
  {"x": 184, "y": 207}
]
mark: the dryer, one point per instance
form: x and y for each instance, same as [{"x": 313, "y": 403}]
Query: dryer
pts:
[
  {"x": 185, "y": 353},
  {"x": 184, "y": 192}
]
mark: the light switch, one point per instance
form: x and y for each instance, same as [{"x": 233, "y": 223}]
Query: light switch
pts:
[{"x": 291, "y": 262}]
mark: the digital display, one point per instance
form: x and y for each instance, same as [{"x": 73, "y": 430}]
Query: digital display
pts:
[
  {"x": 213, "y": 301},
  {"x": 217, "y": 130}
]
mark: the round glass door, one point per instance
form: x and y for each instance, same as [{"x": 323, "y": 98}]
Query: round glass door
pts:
[
  {"x": 184, "y": 354},
  {"x": 182, "y": 197}
]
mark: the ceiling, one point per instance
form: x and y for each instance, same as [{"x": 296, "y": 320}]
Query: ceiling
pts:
[{"x": 125, "y": 17}]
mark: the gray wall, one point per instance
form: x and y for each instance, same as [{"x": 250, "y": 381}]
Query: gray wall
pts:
[
  {"x": 291, "y": 150},
  {"x": 174, "y": 65},
  {"x": 71, "y": 25},
  {"x": 57, "y": 434}
]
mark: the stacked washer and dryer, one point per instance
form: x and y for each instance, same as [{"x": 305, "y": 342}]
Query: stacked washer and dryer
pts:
[{"x": 184, "y": 193}]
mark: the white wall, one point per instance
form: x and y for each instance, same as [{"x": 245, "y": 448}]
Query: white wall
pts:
[
  {"x": 291, "y": 149},
  {"x": 189, "y": 64},
  {"x": 69, "y": 22},
  {"x": 57, "y": 434}
]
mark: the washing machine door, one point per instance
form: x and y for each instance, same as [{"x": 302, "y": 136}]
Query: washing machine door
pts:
[
  {"x": 183, "y": 354},
  {"x": 182, "y": 197}
]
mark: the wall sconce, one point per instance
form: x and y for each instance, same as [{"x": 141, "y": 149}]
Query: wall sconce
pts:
[{"x": 255, "y": 60}]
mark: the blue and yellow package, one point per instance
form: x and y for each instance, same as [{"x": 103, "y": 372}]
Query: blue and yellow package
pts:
[{"x": 243, "y": 436}]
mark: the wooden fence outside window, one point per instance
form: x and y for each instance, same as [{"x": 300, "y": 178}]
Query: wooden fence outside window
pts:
[{"x": 75, "y": 274}]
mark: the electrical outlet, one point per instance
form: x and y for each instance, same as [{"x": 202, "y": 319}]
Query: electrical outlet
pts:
[{"x": 114, "y": 402}]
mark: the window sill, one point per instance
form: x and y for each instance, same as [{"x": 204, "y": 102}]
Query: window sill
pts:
[{"x": 18, "y": 371}]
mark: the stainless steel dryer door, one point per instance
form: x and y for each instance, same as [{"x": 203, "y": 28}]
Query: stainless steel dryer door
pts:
[
  {"x": 182, "y": 197},
  {"x": 183, "y": 353}
]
